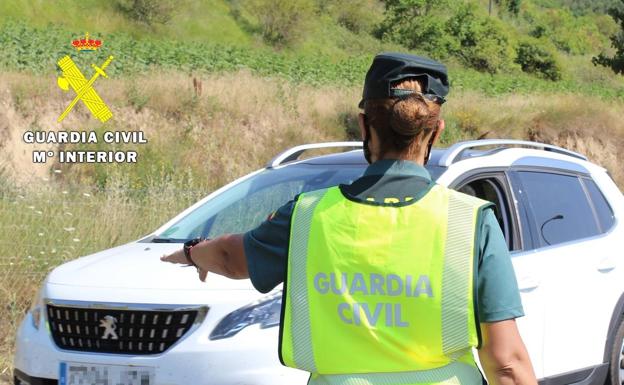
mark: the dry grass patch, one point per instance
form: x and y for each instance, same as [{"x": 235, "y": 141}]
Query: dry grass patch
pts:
[
  {"x": 190, "y": 121},
  {"x": 588, "y": 125}
]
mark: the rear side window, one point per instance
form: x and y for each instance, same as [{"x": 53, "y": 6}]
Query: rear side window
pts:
[
  {"x": 603, "y": 210},
  {"x": 558, "y": 206}
]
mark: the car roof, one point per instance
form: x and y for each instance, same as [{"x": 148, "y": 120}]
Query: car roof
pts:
[
  {"x": 495, "y": 152},
  {"x": 356, "y": 157}
]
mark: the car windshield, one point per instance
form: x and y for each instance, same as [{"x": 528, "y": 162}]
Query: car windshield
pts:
[{"x": 245, "y": 205}]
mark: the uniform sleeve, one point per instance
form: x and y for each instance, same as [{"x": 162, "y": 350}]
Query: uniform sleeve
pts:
[
  {"x": 266, "y": 249},
  {"x": 498, "y": 294}
]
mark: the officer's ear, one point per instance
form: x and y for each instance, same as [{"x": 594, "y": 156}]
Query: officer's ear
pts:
[
  {"x": 438, "y": 131},
  {"x": 362, "y": 124}
]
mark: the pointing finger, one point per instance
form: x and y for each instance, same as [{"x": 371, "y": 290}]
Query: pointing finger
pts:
[{"x": 176, "y": 257}]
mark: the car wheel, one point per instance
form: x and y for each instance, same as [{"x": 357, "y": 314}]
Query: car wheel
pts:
[{"x": 617, "y": 357}]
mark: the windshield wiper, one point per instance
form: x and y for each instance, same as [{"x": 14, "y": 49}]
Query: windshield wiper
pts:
[
  {"x": 161, "y": 240},
  {"x": 166, "y": 240}
]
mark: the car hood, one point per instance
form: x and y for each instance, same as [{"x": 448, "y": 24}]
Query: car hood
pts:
[{"x": 137, "y": 265}]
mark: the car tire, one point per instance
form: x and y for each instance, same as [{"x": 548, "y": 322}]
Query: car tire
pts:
[{"x": 616, "y": 369}]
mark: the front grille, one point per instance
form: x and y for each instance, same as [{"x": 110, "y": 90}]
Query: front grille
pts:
[{"x": 118, "y": 331}]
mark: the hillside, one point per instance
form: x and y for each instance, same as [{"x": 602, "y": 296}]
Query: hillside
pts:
[
  {"x": 535, "y": 51},
  {"x": 323, "y": 41},
  {"x": 534, "y": 54}
]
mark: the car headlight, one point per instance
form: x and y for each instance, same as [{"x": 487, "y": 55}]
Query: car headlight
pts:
[
  {"x": 36, "y": 309},
  {"x": 266, "y": 312}
]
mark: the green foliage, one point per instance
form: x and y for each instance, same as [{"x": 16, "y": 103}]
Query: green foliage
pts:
[
  {"x": 538, "y": 57},
  {"x": 418, "y": 25},
  {"x": 146, "y": 11},
  {"x": 279, "y": 22},
  {"x": 511, "y": 6},
  {"x": 580, "y": 7},
  {"x": 335, "y": 29},
  {"x": 358, "y": 16},
  {"x": 616, "y": 62},
  {"x": 577, "y": 35},
  {"x": 481, "y": 42},
  {"x": 136, "y": 98},
  {"x": 36, "y": 50}
]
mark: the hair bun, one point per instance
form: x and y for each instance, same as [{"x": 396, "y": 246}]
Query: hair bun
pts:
[{"x": 411, "y": 115}]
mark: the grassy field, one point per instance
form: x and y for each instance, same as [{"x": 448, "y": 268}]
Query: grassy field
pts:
[{"x": 36, "y": 50}]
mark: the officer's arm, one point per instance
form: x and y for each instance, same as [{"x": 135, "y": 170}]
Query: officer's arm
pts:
[
  {"x": 224, "y": 255},
  {"x": 503, "y": 356}
]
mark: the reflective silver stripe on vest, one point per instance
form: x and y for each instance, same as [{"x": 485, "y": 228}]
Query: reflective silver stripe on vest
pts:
[
  {"x": 456, "y": 373},
  {"x": 298, "y": 292},
  {"x": 455, "y": 276}
]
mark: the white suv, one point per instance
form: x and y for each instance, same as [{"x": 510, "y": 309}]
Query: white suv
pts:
[{"x": 123, "y": 315}]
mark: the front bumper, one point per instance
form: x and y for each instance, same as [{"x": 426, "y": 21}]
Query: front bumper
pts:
[{"x": 250, "y": 358}]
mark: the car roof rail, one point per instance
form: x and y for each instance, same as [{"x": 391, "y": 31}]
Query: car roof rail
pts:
[
  {"x": 294, "y": 153},
  {"x": 453, "y": 153}
]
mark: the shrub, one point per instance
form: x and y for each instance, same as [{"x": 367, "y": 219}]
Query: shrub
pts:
[
  {"x": 417, "y": 24},
  {"x": 146, "y": 11},
  {"x": 569, "y": 33},
  {"x": 538, "y": 57},
  {"x": 511, "y": 6},
  {"x": 616, "y": 63},
  {"x": 479, "y": 41},
  {"x": 582, "y": 7},
  {"x": 356, "y": 15},
  {"x": 280, "y": 21}
]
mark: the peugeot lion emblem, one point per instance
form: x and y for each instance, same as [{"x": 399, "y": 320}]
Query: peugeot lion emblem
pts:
[{"x": 109, "y": 323}]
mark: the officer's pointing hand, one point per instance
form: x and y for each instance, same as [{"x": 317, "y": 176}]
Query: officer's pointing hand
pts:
[
  {"x": 178, "y": 257},
  {"x": 175, "y": 257}
]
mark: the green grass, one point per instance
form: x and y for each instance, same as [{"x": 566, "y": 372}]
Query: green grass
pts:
[
  {"x": 207, "y": 20},
  {"x": 206, "y": 37},
  {"x": 36, "y": 50}
]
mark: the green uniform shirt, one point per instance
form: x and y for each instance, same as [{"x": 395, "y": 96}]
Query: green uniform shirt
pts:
[{"x": 498, "y": 299}]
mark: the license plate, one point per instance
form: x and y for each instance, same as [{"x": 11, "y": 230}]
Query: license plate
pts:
[{"x": 76, "y": 373}]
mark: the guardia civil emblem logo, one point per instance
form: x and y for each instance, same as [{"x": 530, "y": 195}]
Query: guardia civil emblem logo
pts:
[{"x": 73, "y": 78}]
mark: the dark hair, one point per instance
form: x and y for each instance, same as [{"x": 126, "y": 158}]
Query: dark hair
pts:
[{"x": 399, "y": 122}]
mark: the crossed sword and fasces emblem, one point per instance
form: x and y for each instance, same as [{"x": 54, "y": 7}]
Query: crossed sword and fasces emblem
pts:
[{"x": 84, "y": 89}]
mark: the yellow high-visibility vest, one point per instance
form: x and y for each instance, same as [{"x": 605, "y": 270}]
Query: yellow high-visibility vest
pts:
[{"x": 377, "y": 294}]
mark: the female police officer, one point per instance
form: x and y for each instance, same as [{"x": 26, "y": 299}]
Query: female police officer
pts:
[{"x": 392, "y": 279}]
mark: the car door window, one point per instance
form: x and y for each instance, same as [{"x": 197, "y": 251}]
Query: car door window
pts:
[
  {"x": 604, "y": 213},
  {"x": 558, "y": 207},
  {"x": 490, "y": 189}
]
